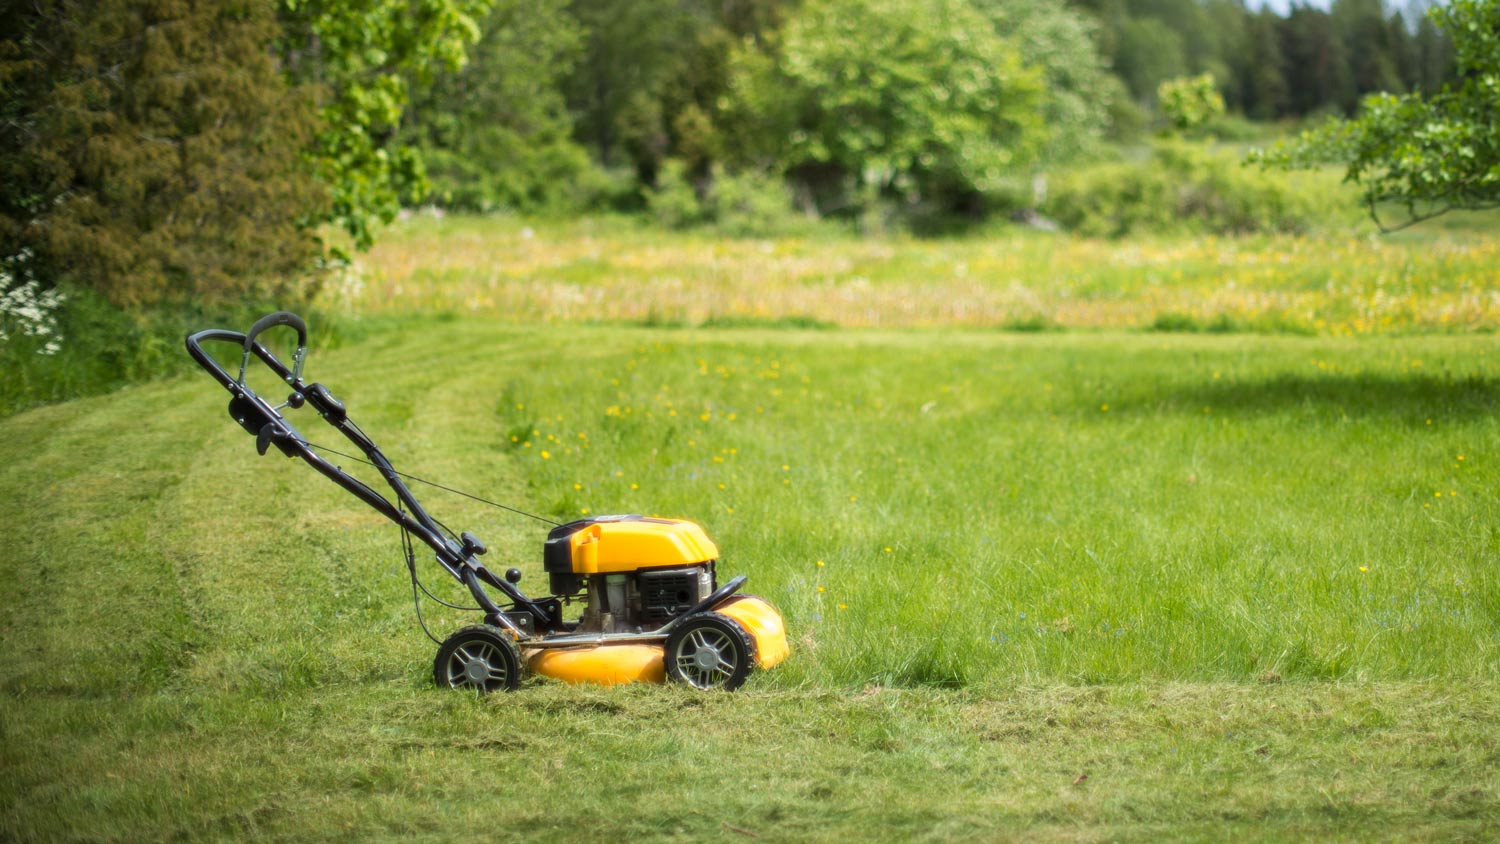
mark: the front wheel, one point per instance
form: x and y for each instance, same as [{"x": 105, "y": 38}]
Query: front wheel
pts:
[
  {"x": 710, "y": 651},
  {"x": 480, "y": 658}
]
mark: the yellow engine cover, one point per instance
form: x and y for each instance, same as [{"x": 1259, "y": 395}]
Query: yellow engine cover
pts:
[{"x": 626, "y": 546}]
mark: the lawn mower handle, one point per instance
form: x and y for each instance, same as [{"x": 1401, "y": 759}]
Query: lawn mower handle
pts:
[
  {"x": 271, "y": 321},
  {"x": 270, "y": 427}
]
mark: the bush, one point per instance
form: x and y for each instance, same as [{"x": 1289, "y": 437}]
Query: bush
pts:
[
  {"x": 741, "y": 204},
  {"x": 65, "y": 344},
  {"x": 916, "y": 101},
  {"x": 748, "y": 203},
  {"x": 675, "y": 201},
  {"x": 1188, "y": 188}
]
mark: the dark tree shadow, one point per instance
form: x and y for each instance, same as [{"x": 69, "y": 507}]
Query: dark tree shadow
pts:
[{"x": 1413, "y": 398}]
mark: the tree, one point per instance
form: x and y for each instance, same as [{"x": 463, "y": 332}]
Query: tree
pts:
[
  {"x": 910, "y": 100},
  {"x": 1078, "y": 88},
  {"x": 1148, "y": 52},
  {"x": 1430, "y": 155},
  {"x": 497, "y": 132},
  {"x": 1434, "y": 57},
  {"x": 631, "y": 49},
  {"x": 150, "y": 151},
  {"x": 1368, "y": 45},
  {"x": 1315, "y": 63},
  {"x": 1266, "y": 88},
  {"x": 1229, "y": 24},
  {"x": 361, "y": 55}
]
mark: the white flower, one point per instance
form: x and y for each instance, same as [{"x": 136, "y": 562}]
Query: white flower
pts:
[{"x": 28, "y": 310}]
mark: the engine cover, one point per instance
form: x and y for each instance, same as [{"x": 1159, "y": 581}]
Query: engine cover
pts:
[{"x": 621, "y": 545}]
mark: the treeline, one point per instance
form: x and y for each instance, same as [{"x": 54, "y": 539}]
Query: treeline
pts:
[
  {"x": 1271, "y": 66},
  {"x": 709, "y": 109},
  {"x": 193, "y": 150}
]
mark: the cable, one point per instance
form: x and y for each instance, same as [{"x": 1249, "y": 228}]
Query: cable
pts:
[
  {"x": 438, "y": 485},
  {"x": 409, "y": 549},
  {"x": 411, "y": 565},
  {"x": 416, "y": 602}
]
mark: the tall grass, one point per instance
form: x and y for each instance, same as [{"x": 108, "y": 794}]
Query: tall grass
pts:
[
  {"x": 614, "y": 270},
  {"x": 978, "y": 509}
]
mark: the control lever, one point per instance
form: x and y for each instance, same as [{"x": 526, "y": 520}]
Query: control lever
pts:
[{"x": 472, "y": 545}]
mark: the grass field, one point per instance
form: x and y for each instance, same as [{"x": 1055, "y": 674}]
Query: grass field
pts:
[
  {"x": 1061, "y": 586},
  {"x": 1433, "y": 279}
]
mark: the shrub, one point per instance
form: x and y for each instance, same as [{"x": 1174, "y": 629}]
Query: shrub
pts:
[
  {"x": 675, "y": 201},
  {"x": 152, "y": 153},
  {"x": 1189, "y": 102},
  {"x": 740, "y": 204},
  {"x": 1187, "y": 188}
]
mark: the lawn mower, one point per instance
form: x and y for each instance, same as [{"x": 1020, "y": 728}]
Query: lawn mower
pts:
[{"x": 652, "y": 606}]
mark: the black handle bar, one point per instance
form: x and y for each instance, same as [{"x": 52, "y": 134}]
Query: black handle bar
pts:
[
  {"x": 271, "y": 321},
  {"x": 262, "y": 419},
  {"x": 195, "y": 343}
]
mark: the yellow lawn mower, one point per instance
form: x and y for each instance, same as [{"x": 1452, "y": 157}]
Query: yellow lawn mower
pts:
[{"x": 652, "y": 606}]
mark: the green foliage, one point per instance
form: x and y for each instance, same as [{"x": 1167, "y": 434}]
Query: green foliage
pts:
[
  {"x": 915, "y": 102},
  {"x": 1149, "y": 51},
  {"x": 361, "y": 54},
  {"x": 738, "y": 204},
  {"x": 1183, "y": 188},
  {"x": 149, "y": 152},
  {"x": 1079, "y": 93},
  {"x": 1428, "y": 154},
  {"x": 496, "y": 133},
  {"x": 675, "y": 201},
  {"x": 90, "y": 346},
  {"x": 1312, "y": 59},
  {"x": 638, "y": 57},
  {"x": 1190, "y": 102}
]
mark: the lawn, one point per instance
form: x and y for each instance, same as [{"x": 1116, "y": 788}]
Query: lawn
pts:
[{"x": 1075, "y": 585}]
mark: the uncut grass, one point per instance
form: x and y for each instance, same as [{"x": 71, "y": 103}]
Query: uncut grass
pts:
[
  {"x": 1091, "y": 509},
  {"x": 1435, "y": 280},
  {"x": 200, "y": 643}
]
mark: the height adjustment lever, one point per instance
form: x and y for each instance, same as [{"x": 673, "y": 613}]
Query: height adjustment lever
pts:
[{"x": 472, "y": 545}]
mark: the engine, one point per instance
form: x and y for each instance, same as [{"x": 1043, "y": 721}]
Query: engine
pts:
[{"x": 635, "y": 573}]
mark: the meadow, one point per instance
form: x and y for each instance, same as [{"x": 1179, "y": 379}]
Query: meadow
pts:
[
  {"x": 1349, "y": 281},
  {"x": 1132, "y": 564}
]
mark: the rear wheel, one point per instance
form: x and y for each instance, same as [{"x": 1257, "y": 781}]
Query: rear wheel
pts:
[
  {"x": 710, "y": 651},
  {"x": 481, "y": 659}
]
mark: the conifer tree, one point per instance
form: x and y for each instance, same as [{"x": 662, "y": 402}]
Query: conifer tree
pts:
[{"x": 150, "y": 150}]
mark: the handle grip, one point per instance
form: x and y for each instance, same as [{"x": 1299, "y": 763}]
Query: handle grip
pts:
[{"x": 271, "y": 321}]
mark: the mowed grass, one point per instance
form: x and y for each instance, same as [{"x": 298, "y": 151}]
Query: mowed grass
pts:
[
  {"x": 1444, "y": 277},
  {"x": 1059, "y": 586}
]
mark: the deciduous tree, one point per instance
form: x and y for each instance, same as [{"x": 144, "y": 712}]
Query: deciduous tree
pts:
[
  {"x": 1428, "y": 155},
  {"x": 916, "y": 100}
]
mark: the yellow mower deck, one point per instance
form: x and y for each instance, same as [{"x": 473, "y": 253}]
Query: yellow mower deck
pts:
[{"x": 612, "y": 665}]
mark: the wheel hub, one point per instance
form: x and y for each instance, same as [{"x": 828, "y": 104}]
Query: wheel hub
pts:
[
  {"x": 476, "y": 671},
  {"x": 706, "y": 658}
]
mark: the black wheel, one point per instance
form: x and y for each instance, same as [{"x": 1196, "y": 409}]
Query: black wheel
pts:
[
  {"x": 481, "y": 658},
  {"x": 710, "y": 651}
]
